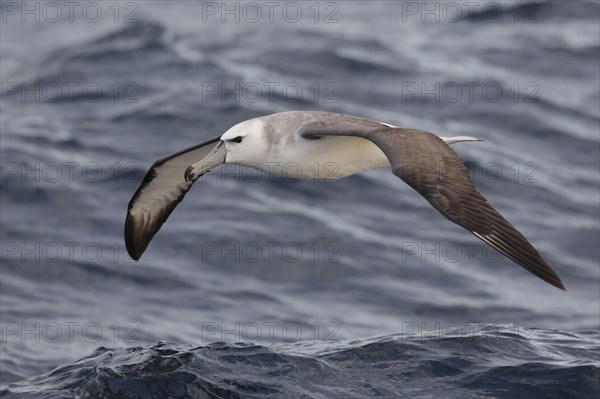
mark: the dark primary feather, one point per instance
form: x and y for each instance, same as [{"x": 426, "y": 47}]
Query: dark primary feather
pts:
[
  {"x": 434, "y": 170},
  {"x": 163, "y": 187}
]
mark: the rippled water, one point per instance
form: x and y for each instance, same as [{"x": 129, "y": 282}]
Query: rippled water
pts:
[
  {"x": 255, "y": 286},
  {"x": 487, "y": 363}
]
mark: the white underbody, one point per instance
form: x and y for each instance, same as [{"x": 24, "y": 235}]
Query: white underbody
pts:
[{"x": 328, "y": 158}]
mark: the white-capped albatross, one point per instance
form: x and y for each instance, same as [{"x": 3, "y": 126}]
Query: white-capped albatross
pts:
[{"x": 339, "y": 145}]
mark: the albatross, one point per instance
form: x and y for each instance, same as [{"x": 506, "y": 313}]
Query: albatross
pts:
[{"x": 325, "y": 146}]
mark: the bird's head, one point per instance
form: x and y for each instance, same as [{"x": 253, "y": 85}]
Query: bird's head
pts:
[{"x": 244, "y": 144}]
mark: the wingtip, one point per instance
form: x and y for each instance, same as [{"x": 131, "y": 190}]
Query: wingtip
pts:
[
  {"x": 554, "y": 280},
  {"x": 560, "y": 285},
  {"x": 134, "y": 251},
  {"x": 136, "y": 257}
]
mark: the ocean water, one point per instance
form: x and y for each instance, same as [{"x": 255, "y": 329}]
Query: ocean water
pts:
[{"x": 262, "y": 287}]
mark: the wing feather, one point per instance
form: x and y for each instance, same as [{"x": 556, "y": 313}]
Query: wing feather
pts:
[
  {"x": 427, "y": 164},
  {"x": 163, "y": 187}
]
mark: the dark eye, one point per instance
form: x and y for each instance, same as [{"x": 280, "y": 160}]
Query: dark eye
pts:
[{"x": 238, "y": 139}]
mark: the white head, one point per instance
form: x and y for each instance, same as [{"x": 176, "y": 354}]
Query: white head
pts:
[{"x": 246, "y": 143}]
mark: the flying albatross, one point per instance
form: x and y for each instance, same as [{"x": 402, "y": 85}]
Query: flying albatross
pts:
[{"x": 323, "y": 145}]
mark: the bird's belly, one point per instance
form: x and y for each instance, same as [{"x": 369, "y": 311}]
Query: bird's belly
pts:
[{"x": 328, "y": 158}]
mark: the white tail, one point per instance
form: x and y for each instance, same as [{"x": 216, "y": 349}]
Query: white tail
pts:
[{"x": 458, "y": 139}]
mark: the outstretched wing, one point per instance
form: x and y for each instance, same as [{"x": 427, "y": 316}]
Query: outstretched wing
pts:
[
  {"x": 434, "y": 170},
  {"x": 163, "y": 187}
]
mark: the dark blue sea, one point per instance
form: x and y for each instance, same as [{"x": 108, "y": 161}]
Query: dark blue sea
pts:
[{"x": 268, "y": 287}]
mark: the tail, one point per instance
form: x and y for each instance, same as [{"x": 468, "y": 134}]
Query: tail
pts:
[
  {"x": 458, "y": 139},
  {"x": 447, "y": 140}
]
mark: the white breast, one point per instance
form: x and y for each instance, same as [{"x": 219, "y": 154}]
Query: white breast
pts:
[{"x": 328, "y": 158}]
